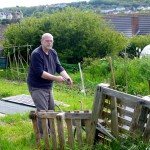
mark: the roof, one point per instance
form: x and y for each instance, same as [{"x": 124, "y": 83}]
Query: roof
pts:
[
  {"x": 12, "y": 108},
  {"x": 20, "y": 104},
  {"x": 121, "y": 24},
  {"x": 144, "y": 24},
  {"x": 130, "y": 24}
]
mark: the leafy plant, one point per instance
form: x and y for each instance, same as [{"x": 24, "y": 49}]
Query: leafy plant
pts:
[{"x": 77, "y": 34}]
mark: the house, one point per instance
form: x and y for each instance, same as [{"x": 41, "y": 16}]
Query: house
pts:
[
  {"x": 130, "y": 24},
  {"x": 10, "y": 16},
  {"x": 2, "y": 15},
  {"x": 107, "y": 11},
  {"x": 120, "y": 8}
]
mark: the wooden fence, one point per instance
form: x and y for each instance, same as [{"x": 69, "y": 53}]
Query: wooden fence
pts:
[
  {"x": 121, "y": 114},
  {"x": 63, "y": 126}
]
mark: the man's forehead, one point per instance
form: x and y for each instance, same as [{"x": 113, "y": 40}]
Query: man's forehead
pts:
[{"x": 47, "y": 38}]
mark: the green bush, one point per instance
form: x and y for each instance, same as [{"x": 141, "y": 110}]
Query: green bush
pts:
[
  {"x": 137, "y": 42},
  {"x": 131, "y": 75},
  {"x": 77, "y": 34}
]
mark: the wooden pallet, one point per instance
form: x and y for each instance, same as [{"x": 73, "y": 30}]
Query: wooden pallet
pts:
[{"x": 114, "y": 114}]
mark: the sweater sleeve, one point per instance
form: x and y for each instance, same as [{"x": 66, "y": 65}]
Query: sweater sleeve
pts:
[
  {"x": 37, "y": 64},
  {"x": 59, "y": 67}
]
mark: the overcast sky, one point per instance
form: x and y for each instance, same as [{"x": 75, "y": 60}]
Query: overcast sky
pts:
[{"x": 28, "y": 3}]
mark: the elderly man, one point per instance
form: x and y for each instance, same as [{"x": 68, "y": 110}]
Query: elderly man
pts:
[{"x": 44, "y": 63}]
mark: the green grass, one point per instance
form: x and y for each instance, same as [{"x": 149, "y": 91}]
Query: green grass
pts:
[
  {"x": 16, "y": 131},
  {"x": 62, "y": 93},
  {"x": 17, "y": 134}
]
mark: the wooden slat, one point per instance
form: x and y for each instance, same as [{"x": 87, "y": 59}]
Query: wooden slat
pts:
[
  {"x": 47, "y": 115},
  {"x": 134, "y": 124},
  {"x": 80, "y": 115},
  {"x": 45, "y": 133},
  {"x": 102, "y": 104},
  {"x": 123, "y": 130},
  {"x": 36, "y": 128},
  {"x": 143, "y": 118},
  {"x": 70, "y": 132},
  {"x": 124, "y": 112},
  {"x": 122, "y": 103},
  {"x": 147, "y": 130},
  {"x": 70, "y": 115},
  {"x": 53, "y": 130},
  {"x": 126, "y": 97},
  {"x": 114, "y": 117},
  {"x": 60, "y": 127},
  {"x": 97, "y": 107},
  {"x": 123, "y": 121},
  {"x": 120, "y": 110},
  {"x": 79, "y": 131},
  {"x": 87, "y": 125}
]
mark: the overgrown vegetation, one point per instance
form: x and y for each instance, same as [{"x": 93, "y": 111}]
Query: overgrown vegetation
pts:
[
  {"x": 131, "y": 75},
  {"x": 76, "y": 34},
  {"x": 17, "y": 131},
  {"x": 79, "y": 36}
]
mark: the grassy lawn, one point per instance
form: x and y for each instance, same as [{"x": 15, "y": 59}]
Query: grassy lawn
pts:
[
  {"x": 16, "y": 133},
  {"x": 16, "y": 130}
]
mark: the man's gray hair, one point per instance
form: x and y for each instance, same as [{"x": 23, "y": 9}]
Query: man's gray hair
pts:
[{"x": 46, "y": 35}]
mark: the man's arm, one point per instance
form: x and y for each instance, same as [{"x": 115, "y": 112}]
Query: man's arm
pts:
[
  {"x": 48, "y": 76},
  {"x": 66, "y": 77}
]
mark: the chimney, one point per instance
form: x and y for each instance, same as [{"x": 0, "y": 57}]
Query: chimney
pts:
[{"x": 135, "y": 24}]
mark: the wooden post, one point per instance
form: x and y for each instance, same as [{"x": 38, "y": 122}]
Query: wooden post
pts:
[
  {"x": 70, "y": 132},
  {"x": 143, "y": 118},
  {"x": 95, "y": 114},
  {"x": 134, "y": 124},
  {"x": 83, "y": 88},
  {"x": 114, "y": 117},
  {"x": 147, "y": 130},
  {"x": 61, "y": 135},
  {"x": 112, "y": 73},
  {"x": 16, "y": 62},
  {"x": 45, "y": 131},
  {"x": 33, "y": 116},
  {"x": 79, "y": 130},
  {"x": 87, "y": 125},
  {"x": 11, "y": 67},
  {"x": 53, "y": 131}
]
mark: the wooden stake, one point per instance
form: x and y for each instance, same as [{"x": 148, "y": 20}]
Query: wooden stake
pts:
[{"x": 112, "y": 73}]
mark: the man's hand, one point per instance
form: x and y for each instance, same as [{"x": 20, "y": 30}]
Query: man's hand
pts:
[
  {"x": 59, "y": 79},
  {"x": 69, "y": 81}
]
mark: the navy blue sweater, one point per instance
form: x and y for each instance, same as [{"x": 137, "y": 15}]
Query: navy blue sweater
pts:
[{"x": 40, "y": 62}]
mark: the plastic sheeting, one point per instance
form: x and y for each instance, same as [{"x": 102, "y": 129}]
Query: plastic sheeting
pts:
[{"x": 145, "y": 51}]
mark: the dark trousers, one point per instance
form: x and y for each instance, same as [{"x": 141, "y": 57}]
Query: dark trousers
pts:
[{"x": 43, "y": 100}]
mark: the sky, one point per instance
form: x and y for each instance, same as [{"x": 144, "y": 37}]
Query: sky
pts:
[{"x": 28, "y": 3}]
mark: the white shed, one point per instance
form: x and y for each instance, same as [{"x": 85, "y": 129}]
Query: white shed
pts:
[{"x": 145, "y": 51}]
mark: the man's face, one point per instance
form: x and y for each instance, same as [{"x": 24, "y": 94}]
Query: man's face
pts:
[{"x": 47, "y": 42}]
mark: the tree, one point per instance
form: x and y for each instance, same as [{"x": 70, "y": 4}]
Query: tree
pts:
[{"x": 77, "y": 34}]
